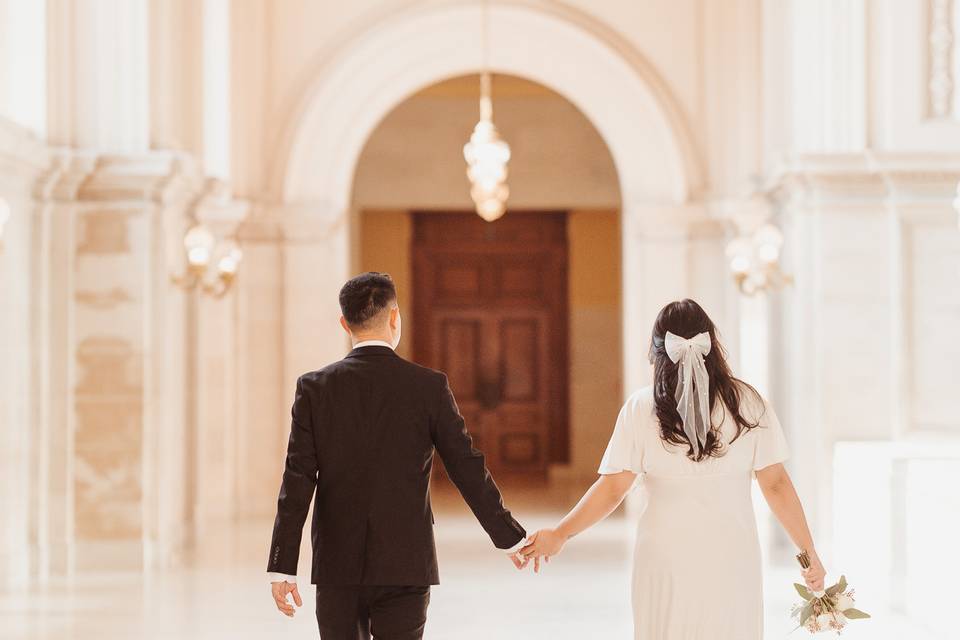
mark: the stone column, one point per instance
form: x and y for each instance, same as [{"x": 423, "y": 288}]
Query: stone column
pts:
[
  {"x": 659, "y": 263},
  {"x": 22, "y": 161},
  {"x": 112, "y": 391},
  {"x": 263, "y": 396},
  {"x": 860, "y": 231},
  {"x": 99, "y": 74},
  {"x": 316, "y": 264},
  {"x": 215, "y": 355}
]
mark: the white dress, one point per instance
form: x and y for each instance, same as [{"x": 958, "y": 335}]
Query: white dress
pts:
[{"x": 697, "y": 568}]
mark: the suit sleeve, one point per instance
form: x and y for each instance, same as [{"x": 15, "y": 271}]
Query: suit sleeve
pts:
[
  {"x": 466, "y": 468},
  {"x": 296, "y": 490}
]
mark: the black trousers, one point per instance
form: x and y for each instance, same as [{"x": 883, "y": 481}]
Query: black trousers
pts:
[{"x": 361, "y": 612}]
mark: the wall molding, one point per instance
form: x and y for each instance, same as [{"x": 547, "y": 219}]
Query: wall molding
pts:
[{"x": 865, "y": 178}]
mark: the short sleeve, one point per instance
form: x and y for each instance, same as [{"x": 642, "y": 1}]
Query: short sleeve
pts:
[
  {"x": 624, "y": 452},
  {"x": 771, "y": 445}
]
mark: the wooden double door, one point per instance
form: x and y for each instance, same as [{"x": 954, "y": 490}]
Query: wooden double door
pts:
[{"x": 490, "y": 310}]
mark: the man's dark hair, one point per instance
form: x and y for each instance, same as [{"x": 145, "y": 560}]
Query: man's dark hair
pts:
[{"x": 363, "y": 297}]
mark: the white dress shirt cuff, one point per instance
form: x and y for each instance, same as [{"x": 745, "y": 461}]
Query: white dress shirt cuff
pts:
[
  {"x": 512, "y": 550},
  {"x": 281, "y": 577}
]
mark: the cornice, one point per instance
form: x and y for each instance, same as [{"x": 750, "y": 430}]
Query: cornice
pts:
[
  {"x": 867, "y": 177},
  {"x": 160, "y": 177}
]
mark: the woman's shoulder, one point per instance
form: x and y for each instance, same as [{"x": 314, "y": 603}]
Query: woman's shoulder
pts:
[
  {"x": 639, "y": 403},
  {"x": 754, "y": 406}
]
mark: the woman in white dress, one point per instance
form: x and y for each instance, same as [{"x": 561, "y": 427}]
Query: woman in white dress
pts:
[{"x": 697, "y": 567}]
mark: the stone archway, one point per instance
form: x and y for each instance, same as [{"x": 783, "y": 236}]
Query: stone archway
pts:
[{"x": 614, "y": 87}]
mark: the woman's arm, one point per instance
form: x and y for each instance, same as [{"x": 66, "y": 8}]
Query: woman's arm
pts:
[
  {"x": 783, "y": 500},
  {"x": 597, "y": 503}
]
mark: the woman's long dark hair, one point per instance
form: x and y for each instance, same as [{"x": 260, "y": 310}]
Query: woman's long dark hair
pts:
[{"x": 686, "y": 319}]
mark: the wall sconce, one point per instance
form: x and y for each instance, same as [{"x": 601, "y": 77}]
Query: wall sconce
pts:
[
  {"x": 755, "y": 261},
  {"x": 4, "y": 217},
  {"x": 203, "y": 251}
]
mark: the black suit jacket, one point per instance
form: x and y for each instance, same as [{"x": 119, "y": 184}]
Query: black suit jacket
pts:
[{"x": 361, "y": 444}]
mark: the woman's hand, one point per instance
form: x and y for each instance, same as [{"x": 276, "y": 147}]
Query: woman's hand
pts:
[
  {"x": 814, "y": 574},
  {"x": 543, "y": 544}
]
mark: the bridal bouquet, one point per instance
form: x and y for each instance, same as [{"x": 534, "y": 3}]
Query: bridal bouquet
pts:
[{"x": 828, "y": 610}]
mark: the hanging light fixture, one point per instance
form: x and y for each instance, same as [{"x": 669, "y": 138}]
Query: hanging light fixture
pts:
[{"x": 487, "y": 154}]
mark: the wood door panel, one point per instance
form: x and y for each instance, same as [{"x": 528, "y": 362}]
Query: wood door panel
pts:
[
  {"x": 459, "y": 343},
  {"x": 520, "y": 450},
  {"x": 521, "y": 358},
  {"x": 458, "y": 281},
  {"x": 490, "y": 307}
]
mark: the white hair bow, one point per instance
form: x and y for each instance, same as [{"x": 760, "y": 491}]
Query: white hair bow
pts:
[{"x": 693, "y": 385}]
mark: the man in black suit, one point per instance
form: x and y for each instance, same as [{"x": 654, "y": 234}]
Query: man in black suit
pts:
[{"x": 362, "y": 440}]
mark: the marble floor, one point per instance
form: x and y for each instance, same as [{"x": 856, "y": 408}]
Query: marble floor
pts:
[{"x": 221, "y": 592}]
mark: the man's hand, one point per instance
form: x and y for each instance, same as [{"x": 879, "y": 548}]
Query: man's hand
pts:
[
  {"x": 518, "y": 560},
  {"x": 542, "y": 544},
  {"x": 280, "y": 591}
]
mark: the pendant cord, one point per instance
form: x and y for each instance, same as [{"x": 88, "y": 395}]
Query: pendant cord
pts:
[{"x": 486, "y": 104}]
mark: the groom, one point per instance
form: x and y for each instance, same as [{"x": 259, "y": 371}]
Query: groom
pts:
[{"x": 362, "y": 440}]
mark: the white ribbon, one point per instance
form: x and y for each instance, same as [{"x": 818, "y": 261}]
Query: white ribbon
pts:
[{"x": 693, "y": 385}]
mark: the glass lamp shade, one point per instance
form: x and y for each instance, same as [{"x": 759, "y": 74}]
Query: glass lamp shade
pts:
[
  {"x": 230, "y": 261},
  {"x": 486, "y": 146},
  {"x": 739, "y": 252},
  {"x": 768, "y": 240},
  {"x": 768, "y": 234},
  {"x": 199, "y": 243},
  {"x": 499, "y": 192},
  {"x": 491, "y": 209}
]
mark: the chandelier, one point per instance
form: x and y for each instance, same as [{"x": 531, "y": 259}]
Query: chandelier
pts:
[
  {"x": 487, "y": 154},
  {"x": 755, "y": 260}
]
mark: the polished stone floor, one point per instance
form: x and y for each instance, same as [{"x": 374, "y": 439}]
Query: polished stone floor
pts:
[{"x": 222, "y": 594}]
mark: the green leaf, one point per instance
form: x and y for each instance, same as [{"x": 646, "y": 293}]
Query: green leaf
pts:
[
  {"x": 803, "y": 591},
  {"x": 806, "y": 613},
  {"x": 840, "y": 587},
  {"x": 855, "y": 614}
]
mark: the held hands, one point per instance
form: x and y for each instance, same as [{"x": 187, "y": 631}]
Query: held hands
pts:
[
  {"x": 280, "y": 591},
  {"x": 542, "y": 544}
]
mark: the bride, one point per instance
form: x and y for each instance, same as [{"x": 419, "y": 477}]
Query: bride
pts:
[{"x": 697, "y": 571}]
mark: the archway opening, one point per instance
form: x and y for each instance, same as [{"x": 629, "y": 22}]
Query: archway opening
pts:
[{"x": 524, "y": 314}]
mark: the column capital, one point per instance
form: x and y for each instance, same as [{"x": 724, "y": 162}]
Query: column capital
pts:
[
  {"x": 158, "y": 177},
  {"x": 311, "y": 220}
]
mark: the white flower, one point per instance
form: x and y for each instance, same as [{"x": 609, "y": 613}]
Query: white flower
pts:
[
  {"x": 844, "y": 602},
  {"x": 830, "y": 622}
]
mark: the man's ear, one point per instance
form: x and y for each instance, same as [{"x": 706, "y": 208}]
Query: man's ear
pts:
[
  {"x": 394, "y": 317},
  {"x": 346, "y": 327}
]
